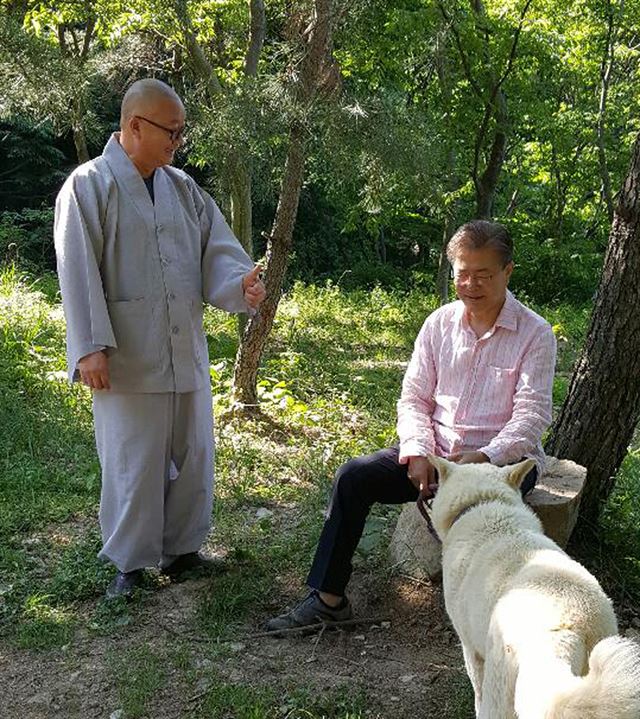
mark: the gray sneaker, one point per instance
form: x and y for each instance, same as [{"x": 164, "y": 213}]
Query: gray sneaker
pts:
[{"x": 311, "y": 610}]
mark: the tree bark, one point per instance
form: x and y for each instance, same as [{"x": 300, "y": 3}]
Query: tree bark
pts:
[
  {"x": 602, "y": 408},
  {"x": 254, "y": 339}
]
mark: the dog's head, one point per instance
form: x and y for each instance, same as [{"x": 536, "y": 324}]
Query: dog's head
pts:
[{"x": 461, "y": 486}]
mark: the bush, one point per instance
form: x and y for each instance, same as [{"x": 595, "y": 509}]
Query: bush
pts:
[{"x": 26, "y": 238}]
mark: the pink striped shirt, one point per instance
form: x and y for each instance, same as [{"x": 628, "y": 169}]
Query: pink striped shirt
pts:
[{"x": 491, "y": 394}]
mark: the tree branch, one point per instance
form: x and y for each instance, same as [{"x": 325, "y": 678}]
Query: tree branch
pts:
[
  {"x": 463, "y": 55},
  {"x": 201, "y": 64},
  {"x": 514, "y": 46}
]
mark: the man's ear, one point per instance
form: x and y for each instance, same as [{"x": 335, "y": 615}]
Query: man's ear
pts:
[
  {"x": 443, "y": 467},
  {"x": 517, "y": 472}
]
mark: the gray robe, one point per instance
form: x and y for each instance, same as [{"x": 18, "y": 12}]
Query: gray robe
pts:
[{"x": 134, "y": 274}]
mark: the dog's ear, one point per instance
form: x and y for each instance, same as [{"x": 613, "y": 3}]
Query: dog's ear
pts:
[
  {"x": 518, "y": 472},
  {"x": 442, "y": 466}
]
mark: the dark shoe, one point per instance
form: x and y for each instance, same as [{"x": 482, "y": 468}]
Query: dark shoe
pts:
[
  {"x": 193, "y": 564},
  {"x": 311, "y": 610},
  {"x": 123, "y": 584}
]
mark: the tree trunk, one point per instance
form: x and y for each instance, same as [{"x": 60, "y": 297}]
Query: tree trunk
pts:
[
  {"x": 442, "y": 281},
  {"x": 602, "y": 408},
  {"x": 487, "y": 183},
  {"x": 79, "y": 135},
  {"x": 257, "y": 331},
  {"x": 606, "y": 71},
  {"x": 444, "y": 78},
  {"x": 315, "y": 63},
  {"x": 242, "y": 215}
]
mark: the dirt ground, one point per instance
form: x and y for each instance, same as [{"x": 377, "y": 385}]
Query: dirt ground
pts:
[{"x": 408, "y": 662}]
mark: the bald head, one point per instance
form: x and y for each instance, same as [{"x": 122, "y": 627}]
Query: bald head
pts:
[{"x": 143, "y": 96}]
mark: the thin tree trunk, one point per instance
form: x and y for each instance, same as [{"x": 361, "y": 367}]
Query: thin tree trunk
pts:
[
  {"x": 280, "y": 241},
  {"x": 442, "y": 280},
  {"x": 602, "y": 408},
  {"x": 254, "y": 339},
  {"x": 606, "y": 70},
  {"x": 77, "y": 128},
  {"x": 442, "y": 68},
  {"x": 558, "y": 219},
  {"x": 487, "y": 183}
]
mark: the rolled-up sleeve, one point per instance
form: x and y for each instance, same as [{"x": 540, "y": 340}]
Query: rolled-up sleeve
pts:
[
  {"x": 532, "y": 403},
  {"x": 416, "y": 403}
]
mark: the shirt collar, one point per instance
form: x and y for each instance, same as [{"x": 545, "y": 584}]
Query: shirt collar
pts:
[{"x": 507, "y": 319}]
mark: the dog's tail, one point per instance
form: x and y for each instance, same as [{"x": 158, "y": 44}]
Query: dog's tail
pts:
[{"x": 610, "y": 690}]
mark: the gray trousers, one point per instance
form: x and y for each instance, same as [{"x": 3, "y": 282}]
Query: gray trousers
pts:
[{"x": 156, "y": 453}]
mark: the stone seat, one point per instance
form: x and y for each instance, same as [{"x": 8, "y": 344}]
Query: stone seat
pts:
[{"x": 555, "y": 499}]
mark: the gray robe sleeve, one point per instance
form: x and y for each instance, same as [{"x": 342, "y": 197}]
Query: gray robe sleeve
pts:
[
  {"x": 78, "y": 241},
  {"x": 224, "y": 261}
]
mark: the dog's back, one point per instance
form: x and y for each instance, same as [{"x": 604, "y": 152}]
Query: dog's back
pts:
[{"x": 538, "y": 632}]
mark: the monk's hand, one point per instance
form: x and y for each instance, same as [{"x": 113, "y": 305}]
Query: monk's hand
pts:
[
  {"x": 422, "y": 475},
  {"x": 253, "y": 287},
  {"x": 94, "y": 370},
  {"x": 468, "y": 458}
]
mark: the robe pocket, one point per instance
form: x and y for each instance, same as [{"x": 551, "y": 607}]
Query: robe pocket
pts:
[{"x": 134, "y": 325}]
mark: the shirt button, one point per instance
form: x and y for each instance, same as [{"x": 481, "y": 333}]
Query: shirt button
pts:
[
  {"x": 159, "y": 228},
  {"x": 171, "y": 296},
  {"x": 175, "y": 329}
]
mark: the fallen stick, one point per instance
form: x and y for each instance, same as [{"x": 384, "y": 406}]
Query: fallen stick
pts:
[{"x": 310, "y": 628}]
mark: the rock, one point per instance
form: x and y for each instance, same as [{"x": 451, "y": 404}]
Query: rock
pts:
[
  {"x": 117, "y": 714},
  {"x": 555, "y": 499},
  {"x": 263, "y": 513},
  {"x": 414, "y": 551}
]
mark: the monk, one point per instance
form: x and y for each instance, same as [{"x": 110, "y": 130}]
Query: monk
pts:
[{"x": 140, "y": 247}]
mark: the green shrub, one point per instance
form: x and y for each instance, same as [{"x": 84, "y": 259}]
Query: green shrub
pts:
[{"x": 26, "y": 238}]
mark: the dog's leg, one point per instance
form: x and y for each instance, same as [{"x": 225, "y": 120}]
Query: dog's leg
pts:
[
  {"x": 499, "y": 681},
  {"x": 474, "y": 665}
]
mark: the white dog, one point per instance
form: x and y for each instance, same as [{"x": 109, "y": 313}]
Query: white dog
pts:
[{"x": 539, "y": 635}]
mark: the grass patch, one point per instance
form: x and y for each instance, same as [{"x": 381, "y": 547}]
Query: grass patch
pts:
[
  {"x": 239, "y": 701},
  {"x": 43, "y": 626},
  {"x": 138, "y": 674}
]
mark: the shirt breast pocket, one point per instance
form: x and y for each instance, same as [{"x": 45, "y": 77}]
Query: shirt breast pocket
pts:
[{"x": 497, "y": 394}]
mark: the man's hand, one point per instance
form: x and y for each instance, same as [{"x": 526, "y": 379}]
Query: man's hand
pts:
[
  {"x": 468, "y": 458},
  {"x": 94, "y": 370},
  {"x": 253, "y": 288},
  {"x": 423, "y": 476}
]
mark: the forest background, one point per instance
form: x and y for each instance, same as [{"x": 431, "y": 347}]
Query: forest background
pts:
[{"x": 416, "y": 116}]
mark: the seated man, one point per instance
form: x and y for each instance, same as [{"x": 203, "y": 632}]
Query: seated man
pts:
[{"x": 477, "y": 389}]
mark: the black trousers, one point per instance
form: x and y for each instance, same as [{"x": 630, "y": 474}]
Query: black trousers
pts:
[{"x": 377, "y": 477}]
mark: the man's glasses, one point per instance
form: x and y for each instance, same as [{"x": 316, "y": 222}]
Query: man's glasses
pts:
[
  {"x": 463, "y": 277},
  {"x": 174, "y": 135}
]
